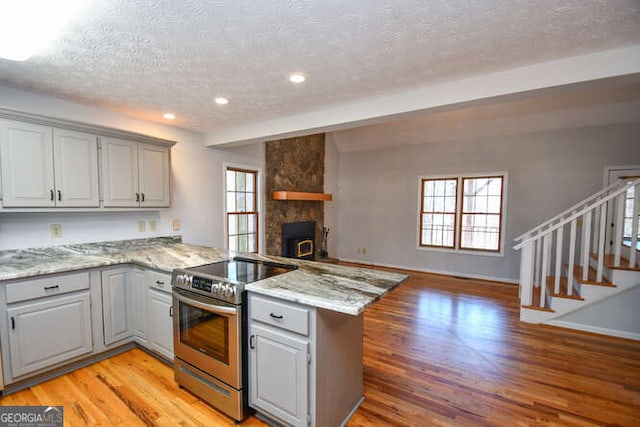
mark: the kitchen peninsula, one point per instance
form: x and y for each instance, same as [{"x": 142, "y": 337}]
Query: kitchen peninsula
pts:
[{"x": 99, "y": 291}]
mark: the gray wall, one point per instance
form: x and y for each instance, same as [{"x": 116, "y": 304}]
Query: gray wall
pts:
[{"x": 548, "y": 172}]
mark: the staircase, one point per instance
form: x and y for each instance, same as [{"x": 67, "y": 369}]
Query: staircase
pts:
[{"x": 581, "y": 269}]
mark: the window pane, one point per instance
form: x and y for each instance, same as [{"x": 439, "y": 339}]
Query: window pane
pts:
[
  {"x": 428, "y": 204},
  {"x": 250, "y": 206},
  {"x": 231, "y": 202},
  {"x": 233, "y": 243},
  {"x": 240, "y": 180},
  {"x": 250, "y": 183},
  {"x": 243, "y": 243},
  {"x": 252, "y": 222},
  {"x": 450, "y": 204},
  {"x": 233, "y": 224},
  {"x": 252, "y": 243},
  {"x": 231, "y": 180},
  {"x": 242, "y": 223},
  {"x": 240, "y": 202},
  {"x": 428, "y": 187}
]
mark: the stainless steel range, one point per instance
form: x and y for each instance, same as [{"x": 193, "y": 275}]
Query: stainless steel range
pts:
[{"x": 209, "y": 329}]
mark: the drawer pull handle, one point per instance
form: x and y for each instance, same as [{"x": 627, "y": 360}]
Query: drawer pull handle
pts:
[
  {"x": 51, "y": 194},
  {"x": 142, "y": 197},
  {"x": 171, "y": 311},
  {"x": 275, "y": 316},
  {"x": 13, "y": 323},
  {"x": 160, "y": 282},
  {"x": 251, "y": 338},
  {"x": 59, "y": 195},
  {"x": 48, "y": 288}
]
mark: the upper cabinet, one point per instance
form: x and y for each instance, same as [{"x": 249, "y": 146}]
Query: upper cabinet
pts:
[
  {"x": 135, "y": 174},
  {"x": 47, "y": 167},
  {"x": 52, "y": 163}
]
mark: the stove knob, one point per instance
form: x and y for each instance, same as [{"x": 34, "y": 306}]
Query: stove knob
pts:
[
  {"x": 233, "y": 291},
  {"x": 215, "y": 288},
  {"x": 188, "y": 279}
]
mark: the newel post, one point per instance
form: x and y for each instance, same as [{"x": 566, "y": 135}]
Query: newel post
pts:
[{"x": 526, "y": 273}]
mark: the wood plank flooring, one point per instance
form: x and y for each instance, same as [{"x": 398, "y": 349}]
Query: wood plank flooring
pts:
[{"x": 439, "y": 351}]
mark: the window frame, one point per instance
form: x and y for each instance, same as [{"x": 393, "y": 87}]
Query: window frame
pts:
[
  {"x": 257, "y": 200},
  {"x": 457, "y": 249}
]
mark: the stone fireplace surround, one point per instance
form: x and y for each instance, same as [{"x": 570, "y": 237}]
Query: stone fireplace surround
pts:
[{"x": 293, "y": 164}]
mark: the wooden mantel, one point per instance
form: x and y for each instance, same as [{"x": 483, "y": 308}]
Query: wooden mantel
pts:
[{"x": 297, "y": 195}]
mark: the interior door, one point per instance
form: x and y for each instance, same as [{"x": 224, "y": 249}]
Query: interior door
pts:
[{"x": 614, "y": 174}]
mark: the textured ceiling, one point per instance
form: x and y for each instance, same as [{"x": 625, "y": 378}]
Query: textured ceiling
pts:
[{"x": 144, "y": 57}]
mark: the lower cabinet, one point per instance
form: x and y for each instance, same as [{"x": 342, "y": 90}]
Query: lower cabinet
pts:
[
  {"x": 159, "y": 313},
  {"x": 46, "y": 331},
  {"x": 305, "y": 363},
  {"x": 279, "y": 374},
  {"x": 117, "y": 304}
]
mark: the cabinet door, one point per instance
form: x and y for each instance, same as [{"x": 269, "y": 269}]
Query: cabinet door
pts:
[
  {"x": 49, "y": 332},
  {"x": 154, "y": 175},
  {"x": 279, "y": 375},
  {"x": 116, "y": 305},
  {"x": 75, "y": 157},
  {"x": 160, "y": 322},
  {"x": 120, "y": 173},
  {"x": 138, "y": 303},
  {"x": 26, "y": 153}
]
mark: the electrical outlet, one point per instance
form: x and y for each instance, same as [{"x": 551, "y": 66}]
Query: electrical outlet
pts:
[
  {"x": 175, "y": 225},
  {"x": 358, "y": 250},
  {"x": 56, "y": 230},
  {"x": 141, "y": 226},
  {"x": 364, "y": 251},
  {"x": 153, "y": 225}
]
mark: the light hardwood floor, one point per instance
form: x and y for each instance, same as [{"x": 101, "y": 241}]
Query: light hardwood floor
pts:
[{"x": 439, "y": 351}]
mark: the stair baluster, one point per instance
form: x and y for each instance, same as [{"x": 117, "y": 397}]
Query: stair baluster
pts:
[
  {"x": 602, "y": 223},
  {"x": 617, "y": 241},
  {"x": 559, "y": 250},
  {"x": 586, "y": 239}
]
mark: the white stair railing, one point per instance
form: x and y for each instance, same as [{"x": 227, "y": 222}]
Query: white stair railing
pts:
[{"x": 544, "y": 249}]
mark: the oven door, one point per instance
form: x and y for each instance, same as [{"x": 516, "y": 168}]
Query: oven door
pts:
[{"x": 207, "y": 335}]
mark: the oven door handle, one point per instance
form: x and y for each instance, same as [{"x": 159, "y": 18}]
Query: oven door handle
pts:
[{"x": 199, "y": 303}]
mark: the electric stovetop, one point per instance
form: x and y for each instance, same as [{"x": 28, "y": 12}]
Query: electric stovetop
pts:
[{"x": 242, "y": 270}]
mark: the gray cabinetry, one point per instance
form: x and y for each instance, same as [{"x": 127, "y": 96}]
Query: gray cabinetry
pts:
[
  {"x": 305, "y": 363},
  {"x": 159, "y": 313},
  {"x": 279, "y": 374},
  {"x": 47, "y": 167},
  {"x": 48, "y": 322},
  {"x": 117, "y": 307},
  {"x": 135, "y": 174}
]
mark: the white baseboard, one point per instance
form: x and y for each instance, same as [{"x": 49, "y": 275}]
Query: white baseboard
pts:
[
  {"x": 595, "y": 329},
  {"x": 425, "y": 270}
]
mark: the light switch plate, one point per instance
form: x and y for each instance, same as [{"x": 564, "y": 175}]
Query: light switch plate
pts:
[
  {"x": 176, "y": 224},
  {"x": 141, "y": 226},
  {"x": 153, "y": 225}
]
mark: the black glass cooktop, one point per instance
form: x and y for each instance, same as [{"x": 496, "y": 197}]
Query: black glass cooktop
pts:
[{"x": 242, "y": 270}]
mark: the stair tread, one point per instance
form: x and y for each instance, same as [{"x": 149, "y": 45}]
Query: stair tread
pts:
[
  {"x": 564, "y": 289},
  {"x": 535, "y": 301},
  {"x": 609, "y": 261},
  {"x": 591, "y": 278}
]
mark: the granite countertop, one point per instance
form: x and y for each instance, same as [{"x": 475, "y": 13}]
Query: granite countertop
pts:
[{"x": 334, "y": 287}]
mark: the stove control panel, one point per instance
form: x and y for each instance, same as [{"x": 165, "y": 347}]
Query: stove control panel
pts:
[{"x": 204, "y": 285}]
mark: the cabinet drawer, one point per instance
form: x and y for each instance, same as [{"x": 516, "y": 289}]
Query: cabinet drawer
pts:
[
  {"x": 158, "y": 280},
  {"x": 279, "y": 314},
  {"x": 53, "y": 285}
]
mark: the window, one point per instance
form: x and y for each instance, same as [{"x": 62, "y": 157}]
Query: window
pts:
[
  {"x": 242, "y": 210},
  {"x": 462, "y": 213},
  {"x": 628, "y": 217}
]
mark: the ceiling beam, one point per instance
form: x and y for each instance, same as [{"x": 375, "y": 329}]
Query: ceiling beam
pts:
[{"x": 439, "y": 97}]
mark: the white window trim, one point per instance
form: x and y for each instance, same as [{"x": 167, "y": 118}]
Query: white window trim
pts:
[
  {"x": 459, "y": 177},
  {"x": 260, "y": 202}
]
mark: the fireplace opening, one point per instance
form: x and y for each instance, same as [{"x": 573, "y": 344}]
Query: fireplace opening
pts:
[{"x": 298, "y": 240}]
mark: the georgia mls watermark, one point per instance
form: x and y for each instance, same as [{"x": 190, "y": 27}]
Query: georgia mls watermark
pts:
[{"x": 31, "y": 416}]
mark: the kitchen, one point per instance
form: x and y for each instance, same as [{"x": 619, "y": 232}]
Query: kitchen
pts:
[{"x": 197, "y": 209}]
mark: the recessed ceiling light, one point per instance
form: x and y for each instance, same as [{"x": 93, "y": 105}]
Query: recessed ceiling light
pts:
[
  {"x": 169, "y": 116},
  {"x": 297, "y": 78},
  {"x": 221, "y": 100}
]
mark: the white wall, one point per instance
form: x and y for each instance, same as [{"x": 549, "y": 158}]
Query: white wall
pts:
[
  {"x": 548, "y": 172},
  {"x": 197, "y": 184}
]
